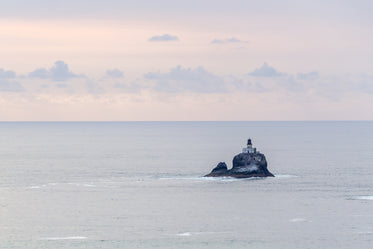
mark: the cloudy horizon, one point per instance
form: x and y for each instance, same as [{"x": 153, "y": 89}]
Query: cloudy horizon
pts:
[{"x": 241, "y": 60}]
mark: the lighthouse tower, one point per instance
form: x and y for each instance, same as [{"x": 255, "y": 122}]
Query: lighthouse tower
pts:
[{"x": 249, "y": 148}]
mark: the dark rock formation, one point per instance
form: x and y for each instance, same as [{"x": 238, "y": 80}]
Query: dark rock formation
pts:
[
  {"x": 245, "y": 165},
  {"x": 220, "y": 169}
]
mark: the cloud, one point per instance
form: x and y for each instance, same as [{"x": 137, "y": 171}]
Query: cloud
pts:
[
  {"x": 93, "y": 88},
  {"x": 291, "y": 84},
  {"x": 40, "y": 73},
  {"x": 265, "y": 71},
  {"x": 7, "y": 74},
  {"x": 229, "y": 40},
  {"x": 10, "y": 86},
  {"x": 163, "y": 38},
  {"x": 61, "y": 85},
  {"x": 115, "y": 73},
  {"x": 59, "y": 72},
  {"x": 181, "y": 79},
  {"x": 308, "y": 76},
  {"x": 133, "y": 87}
]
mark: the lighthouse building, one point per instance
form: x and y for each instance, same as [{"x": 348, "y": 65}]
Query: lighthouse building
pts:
[{"x": 249, "y": 148}]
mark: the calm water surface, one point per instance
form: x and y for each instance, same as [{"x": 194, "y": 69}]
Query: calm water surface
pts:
[{"x": 139, "y": 185}]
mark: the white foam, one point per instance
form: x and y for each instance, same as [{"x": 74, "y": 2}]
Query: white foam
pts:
[
  {"x": 37, "y": 187},
  {"x": 225, "y": 179},
  {"x": 81, "y": 184},
  {"x": 54, "y": 184},
  {"x": 187, "y": 234},
  {"x": 89, "y": 185},
  {"x": 298, "y": 220},
  {"x": 202, "y": 178},
  {"x": 285, "y": 176},
  {"x": 34, "y": 187},
  {"x": 364, "y": 197},
  {"x": 247, "y": 168},
  {"x": 184, "y": 234},
  {"x": 364, "y": 232},
  {"x": 198, "y": 178},
  {"x": 65, "y": 238}
]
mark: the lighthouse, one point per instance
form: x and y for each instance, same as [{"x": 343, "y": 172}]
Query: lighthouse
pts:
[
  {"x": 249, "y": 144},
  {"x": 249, "y": 148}
]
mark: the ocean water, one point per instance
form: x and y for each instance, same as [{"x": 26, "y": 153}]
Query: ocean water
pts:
[{"x": 140, "y": 185}]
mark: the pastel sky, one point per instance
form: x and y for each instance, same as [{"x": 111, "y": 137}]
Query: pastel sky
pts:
[{"x": 80, "y": 60}]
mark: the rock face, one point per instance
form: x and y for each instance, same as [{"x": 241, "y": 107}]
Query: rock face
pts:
[{"x": 245, "y": 165}]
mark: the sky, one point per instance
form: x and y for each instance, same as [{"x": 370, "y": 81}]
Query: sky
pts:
[{"x": 118, "y": 60}]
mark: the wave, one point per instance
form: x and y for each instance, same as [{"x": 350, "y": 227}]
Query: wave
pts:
[
  {"x": 298, "y": 220},
  {"x": 65, "y": 238},
  {"x": 223, "y": 178},
  {"x": 88, "y": 185},
  {"x": 364, "y": 232},
  {"x": 187, "y": 234},
  {"x": 202, "y": 178},
  {"x": 37, "y": 186},
  {"x": 363, "y": 197},
  {"x": 54, "y": 184},
  {"x": 286, "y": 176},
  {"x": 179, "y": 178}
]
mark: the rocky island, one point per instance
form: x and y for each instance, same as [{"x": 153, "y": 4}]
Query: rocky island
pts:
[{"x": 249, "y": 163}]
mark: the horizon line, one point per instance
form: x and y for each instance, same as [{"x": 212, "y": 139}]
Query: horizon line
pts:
[{"x": 144, "y": 121}]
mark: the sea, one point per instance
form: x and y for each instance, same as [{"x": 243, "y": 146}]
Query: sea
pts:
[{"x": 141, "y": 185}]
